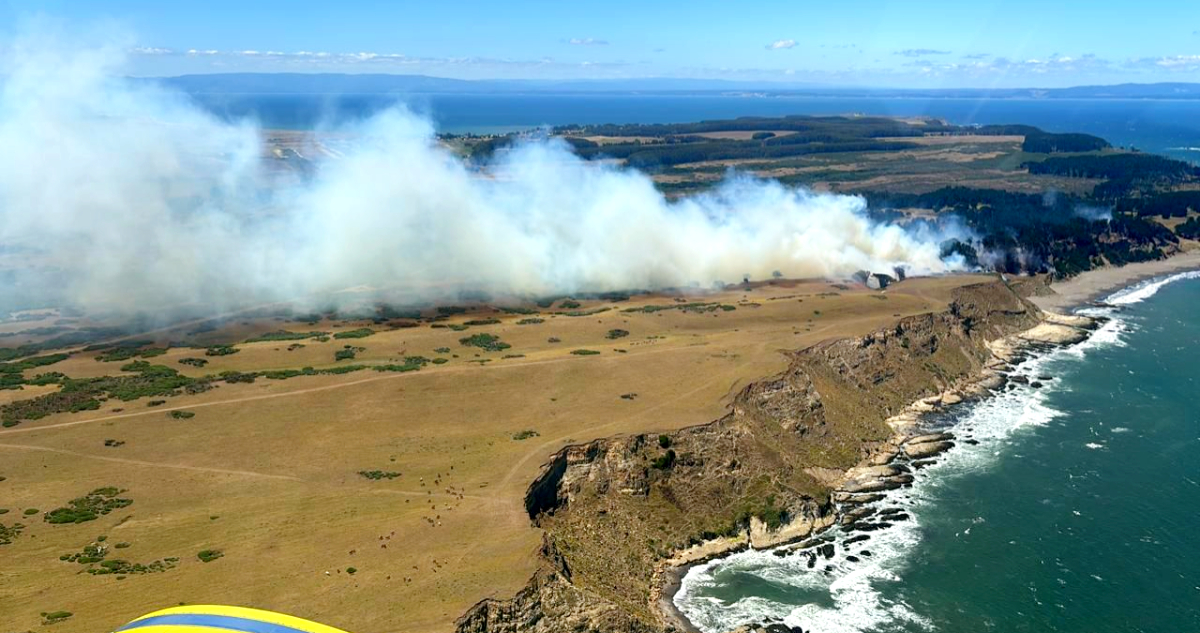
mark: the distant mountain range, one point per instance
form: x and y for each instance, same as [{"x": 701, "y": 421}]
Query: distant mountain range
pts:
[{"x": 330, "y": 83}]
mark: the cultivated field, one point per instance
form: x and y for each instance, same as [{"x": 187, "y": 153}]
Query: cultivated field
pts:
[{"x": 265, "y": 478}]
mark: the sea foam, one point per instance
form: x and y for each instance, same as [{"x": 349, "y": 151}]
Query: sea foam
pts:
[{"x": 846, "y": 599}]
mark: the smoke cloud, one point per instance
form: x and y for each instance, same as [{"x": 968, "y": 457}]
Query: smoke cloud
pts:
[{"x": 115, "y": 194}]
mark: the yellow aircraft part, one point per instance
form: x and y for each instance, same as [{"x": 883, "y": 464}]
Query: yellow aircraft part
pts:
[{"x": 221, "y": 619}]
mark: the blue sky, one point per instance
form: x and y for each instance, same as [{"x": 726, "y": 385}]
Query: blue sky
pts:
[{"x": 965, "y": 43}]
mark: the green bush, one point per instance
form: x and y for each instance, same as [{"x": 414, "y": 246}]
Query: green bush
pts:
[
  {"x": 351, "y": 570},
  {"x": 376, "y": 475},
  {"x": 55, "y": 617},
  {"x": 664, "y": 462},
  {"x": 524, "y": 435},
  {"x": 363, "y": 332},
  {"x": 9, "y": 533},
  {"x": 488, "y": 342},
  {"x": 482, "y": 322},
  {"x": 31, "y": 511},
  {"x": 182, "y": 415},
  {"x": 126, "y": 353},
  {"x": 531, "y": 321},
  {"x": 284, "y": 335},
  {"x": 345, "y": 354},
  {"x": 209, "y": 555},
  {"x": 89, "y": 507},
  {"x": 584, "y": 313},
  {"x": 664, "y": 441},
  {"x": 221, "y": 350},
  {"x": 585, "y": 352},
  {"x": 569, "y": 304},
  {"x": 194, "y": 362},
  {"x": 616, "y": 334}
]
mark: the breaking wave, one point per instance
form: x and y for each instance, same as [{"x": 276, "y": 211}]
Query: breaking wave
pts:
[{"x": 842, "y": 594}]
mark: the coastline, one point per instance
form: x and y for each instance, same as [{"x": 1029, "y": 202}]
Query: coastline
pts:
[
  {"x": 910, "y": 440},
  {"x": 1095, "y": 284}
]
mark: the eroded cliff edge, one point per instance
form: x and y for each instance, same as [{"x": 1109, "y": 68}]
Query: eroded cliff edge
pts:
[{"x": 621, "y": 513}]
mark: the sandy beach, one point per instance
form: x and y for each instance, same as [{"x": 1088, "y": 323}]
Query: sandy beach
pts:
[{"x": 1093, "y": 284}]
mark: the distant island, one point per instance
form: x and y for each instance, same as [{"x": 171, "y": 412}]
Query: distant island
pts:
[{"x": 350, "y": 84}]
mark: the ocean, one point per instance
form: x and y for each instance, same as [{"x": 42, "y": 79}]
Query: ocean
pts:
[
  {"x": 1169, "y": 127},
  {"x": 1074, "y": 513}
]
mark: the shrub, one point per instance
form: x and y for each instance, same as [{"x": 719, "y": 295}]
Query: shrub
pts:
[
  {"x": 665, "y": 461},
  {"x": 488, "y": 321},
  {"x": 89, "y": 507},
  {"x": 221, "y": 350},
  {"x": 553, "y": 339},
  {"x": 9, "y": 533},
  {"x": 583, "y": 313},
  {"x": 524, "y": 435},
  {"x": 181, "y": 415},
  {"x": 347, "y": 353},
  {"x": 31, "y": 511},
  {"x": 616, "y": 334},
  {"x": 569, "y": 304},
  {"x": 376, "y": 475},
  {"x": 531, "y": 321},
  {"x": 234, "y": 377},
  {"x": 55, "y": 617},
  {"x": 442, "y": 350},
  {"x": 488, "y": 342},
  {"x": 363, "y": 332},
  {"x": 585, "y": 352},
  {"x": 440, "y": 361},
  {"x": 285, "y": 335},
  {"x": 209, "y": 555},
  {"x": 664, "y": 441},
  {"x": 351, "y": 570},
  {"x": 194, "y": 362},
  {"x": 128, "y": 352}
]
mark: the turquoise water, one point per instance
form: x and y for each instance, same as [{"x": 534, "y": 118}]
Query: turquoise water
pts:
[{"x": 1076, "y": 512}]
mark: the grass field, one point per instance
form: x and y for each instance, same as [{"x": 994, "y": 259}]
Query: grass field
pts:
[{"x": 268, "y": 472}]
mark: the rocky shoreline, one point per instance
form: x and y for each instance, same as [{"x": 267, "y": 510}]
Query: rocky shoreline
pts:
[
  {"x": 798, "y": 453},
  {"x": 887, "y": 467}
]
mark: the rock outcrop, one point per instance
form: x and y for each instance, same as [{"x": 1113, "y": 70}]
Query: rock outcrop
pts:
[{"x": 622, "y": 514}]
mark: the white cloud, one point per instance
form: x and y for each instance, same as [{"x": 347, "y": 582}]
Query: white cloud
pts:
[
  {"x": 1171, "y": 62},
  {"x": 587, "y": 41},
  {"x": 920, "y": 52},
  {"x": 781, "y": 44}
]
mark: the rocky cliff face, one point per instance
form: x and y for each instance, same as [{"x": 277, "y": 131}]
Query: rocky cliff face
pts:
[{"x": 618, "y": 511}]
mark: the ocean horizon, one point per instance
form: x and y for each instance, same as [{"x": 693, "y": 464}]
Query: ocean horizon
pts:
[{"x": 1169, "y": 127}]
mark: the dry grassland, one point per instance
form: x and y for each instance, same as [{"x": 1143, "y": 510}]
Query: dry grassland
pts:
[{"x": 267, "y": 472}]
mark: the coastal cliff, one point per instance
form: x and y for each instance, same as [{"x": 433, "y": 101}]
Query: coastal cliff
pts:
[{"x": 797, "y": 450}]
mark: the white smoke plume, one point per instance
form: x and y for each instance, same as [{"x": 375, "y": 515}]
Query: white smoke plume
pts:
[{"x": 131, "y": 198}]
